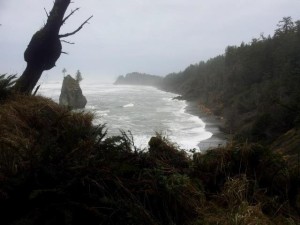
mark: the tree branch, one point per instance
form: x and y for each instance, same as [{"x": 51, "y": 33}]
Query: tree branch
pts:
[
  {"x": 71, "y": 43},
  {"x": 46, "y": 12},
  {"x": 68, "y": 16},
  {"x": 78, "y": 29}
]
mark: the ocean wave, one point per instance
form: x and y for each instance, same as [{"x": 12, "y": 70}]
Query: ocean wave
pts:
[
  {"x": 128, "y": 105},
  {"x": 90, "y": 107},
  {"x": 103, "y": 112}
]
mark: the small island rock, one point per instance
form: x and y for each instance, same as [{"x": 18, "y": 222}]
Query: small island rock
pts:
[{"x": 71, "y": 94}]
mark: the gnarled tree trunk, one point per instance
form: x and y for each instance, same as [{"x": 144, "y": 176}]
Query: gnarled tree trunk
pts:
[{"x": 45, "y": 47}]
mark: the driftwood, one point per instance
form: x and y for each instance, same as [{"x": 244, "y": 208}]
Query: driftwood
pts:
[{"x": 45, "y": 46}]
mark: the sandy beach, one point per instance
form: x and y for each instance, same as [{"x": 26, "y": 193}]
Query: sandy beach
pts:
[{"x": 212, "y": 124}]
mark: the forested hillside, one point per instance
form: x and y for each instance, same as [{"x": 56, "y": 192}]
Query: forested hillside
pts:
[{"x": 254, "y": 86}]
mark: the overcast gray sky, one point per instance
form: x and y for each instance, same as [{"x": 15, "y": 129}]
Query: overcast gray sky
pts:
[{"x": 151, "y": 36}]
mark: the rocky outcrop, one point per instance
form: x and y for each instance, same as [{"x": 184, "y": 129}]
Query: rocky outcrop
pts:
[{"x": 71, "y": 94}]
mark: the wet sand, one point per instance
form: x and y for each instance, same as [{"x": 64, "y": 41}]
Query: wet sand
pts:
[{"x": 212, "y": 125}]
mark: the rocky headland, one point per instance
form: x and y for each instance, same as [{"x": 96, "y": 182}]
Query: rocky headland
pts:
[{"x": 136, "y": 78}]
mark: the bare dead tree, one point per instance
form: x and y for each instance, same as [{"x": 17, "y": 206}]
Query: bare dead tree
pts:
[{"x": 45, "y": 46}]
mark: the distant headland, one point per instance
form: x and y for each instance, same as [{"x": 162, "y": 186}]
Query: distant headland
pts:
[{"x": 137, "y": 78}]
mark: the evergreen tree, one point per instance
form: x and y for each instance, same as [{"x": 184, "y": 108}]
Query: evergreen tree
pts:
[
  {"x": 64, "y": 71},
  {"x": 285, "y": 26},
  {"x": 78, "y": 76}
]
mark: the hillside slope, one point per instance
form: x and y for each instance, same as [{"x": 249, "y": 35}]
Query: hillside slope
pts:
[{"x": 254, "y": 86}]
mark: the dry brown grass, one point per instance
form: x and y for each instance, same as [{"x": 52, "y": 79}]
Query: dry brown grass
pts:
[
  {"x": 25, "y": 123},
  {"x": 235, "y": 191}
]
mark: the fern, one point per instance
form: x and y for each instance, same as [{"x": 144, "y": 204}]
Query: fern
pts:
[{"x": 6, "y": 83}]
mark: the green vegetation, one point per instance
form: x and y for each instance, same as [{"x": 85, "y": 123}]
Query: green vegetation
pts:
[
  {"x": 78, "y": 76},
  {"x": 6, "y": 82},
  {"x": 57, "y": 168},
  {"x": 64, "y": 71},
  {"x": 254, "y": 86}
]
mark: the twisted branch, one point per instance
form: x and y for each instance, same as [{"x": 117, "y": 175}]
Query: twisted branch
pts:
[
  {"x": 75, "y": 31},
  {"x": 68, "y": 42},
  {"x": 68, "y": 16}
]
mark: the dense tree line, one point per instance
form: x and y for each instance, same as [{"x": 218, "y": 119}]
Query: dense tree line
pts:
[{"x": 255, "y": 86}]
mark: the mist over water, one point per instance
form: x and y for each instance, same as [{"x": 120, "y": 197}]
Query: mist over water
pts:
[{"x": 139, "y": 109}]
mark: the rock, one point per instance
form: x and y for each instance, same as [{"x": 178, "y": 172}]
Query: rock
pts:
[
  {"x": 179, "y": 97},
  {"x": 71, "y": 94}
]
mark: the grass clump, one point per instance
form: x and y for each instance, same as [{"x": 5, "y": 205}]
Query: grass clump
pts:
[
  {"x": 6, "y": 83},
  {"x": 57, "y": 168}
]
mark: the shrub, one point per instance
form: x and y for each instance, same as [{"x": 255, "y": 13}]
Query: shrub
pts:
[{"x": 6, "y": 83}]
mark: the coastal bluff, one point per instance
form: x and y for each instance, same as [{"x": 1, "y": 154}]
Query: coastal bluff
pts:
[
  {"x": 71, "y": 94},
  {"x": 136, "y": 78}
]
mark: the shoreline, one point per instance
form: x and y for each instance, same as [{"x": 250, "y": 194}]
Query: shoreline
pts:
[{"x": 212, "y": 125}]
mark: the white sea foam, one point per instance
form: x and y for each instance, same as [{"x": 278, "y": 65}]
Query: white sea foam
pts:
[
  {"x": 91, "y": 107},
  {"x": 141, "y": 141},
  {"x": 103, "y": 112},
  {"x": 128, "y": 105}
]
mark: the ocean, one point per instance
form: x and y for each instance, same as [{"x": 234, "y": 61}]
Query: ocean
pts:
[{"x": 141, "y": 110}]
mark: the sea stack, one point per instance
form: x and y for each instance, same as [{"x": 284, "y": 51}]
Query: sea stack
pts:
[{"x": 71, "y": 94}]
